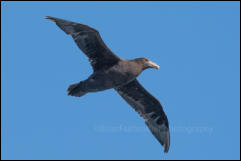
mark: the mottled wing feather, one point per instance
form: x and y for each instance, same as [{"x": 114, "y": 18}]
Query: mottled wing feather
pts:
[
  {"x": 149, "y": 108},
  {"x": 90, "y": 42}
]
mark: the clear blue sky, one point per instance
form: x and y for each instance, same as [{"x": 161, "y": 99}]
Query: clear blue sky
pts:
[{"x": 196, "y": 44}]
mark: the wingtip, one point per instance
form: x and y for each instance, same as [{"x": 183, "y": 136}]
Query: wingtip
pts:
[
  {"x": 50, "y": 18},
  {"x": 166, "y": 148},
  {"x": 161, "y": 132},
  {"x": 167, "y": 145}
]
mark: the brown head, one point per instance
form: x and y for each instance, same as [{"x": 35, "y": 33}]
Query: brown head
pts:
[{"x": 146, "y": 63}]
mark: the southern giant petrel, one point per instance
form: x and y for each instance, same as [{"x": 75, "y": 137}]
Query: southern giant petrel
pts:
[{"x": 111, "y": 71}]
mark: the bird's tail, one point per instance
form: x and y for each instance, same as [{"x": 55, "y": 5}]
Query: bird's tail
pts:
[{"x": 76, "y": 90}]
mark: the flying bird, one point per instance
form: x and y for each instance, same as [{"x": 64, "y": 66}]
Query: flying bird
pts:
[{"x": 111, "y": 71}]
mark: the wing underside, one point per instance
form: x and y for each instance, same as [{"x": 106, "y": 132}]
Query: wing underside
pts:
[
  {"x": 149, "y": 108},
  {"x": 89, "y": 41}
]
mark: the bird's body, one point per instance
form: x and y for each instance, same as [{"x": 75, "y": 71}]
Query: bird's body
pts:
[
  {"x": 110, "y": 71},
  {"x": 117, "y": 75}
]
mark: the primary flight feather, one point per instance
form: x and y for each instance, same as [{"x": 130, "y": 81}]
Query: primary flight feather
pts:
[{"x": 111, "y": 71}]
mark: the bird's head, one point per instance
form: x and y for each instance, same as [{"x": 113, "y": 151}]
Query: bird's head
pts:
[{"x": 146, "y": 63}]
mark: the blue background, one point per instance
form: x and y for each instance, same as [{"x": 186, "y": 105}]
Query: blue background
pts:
[{"x": 196, "y": 44}]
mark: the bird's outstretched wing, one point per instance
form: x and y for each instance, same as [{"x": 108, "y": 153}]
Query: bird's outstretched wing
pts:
[
  {"x": 149, "y": 108},
  {"x": 89, "y": 41}
]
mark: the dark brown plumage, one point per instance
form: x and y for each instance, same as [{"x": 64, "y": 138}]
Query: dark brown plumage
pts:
[{"x": 111, "y": 71}]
